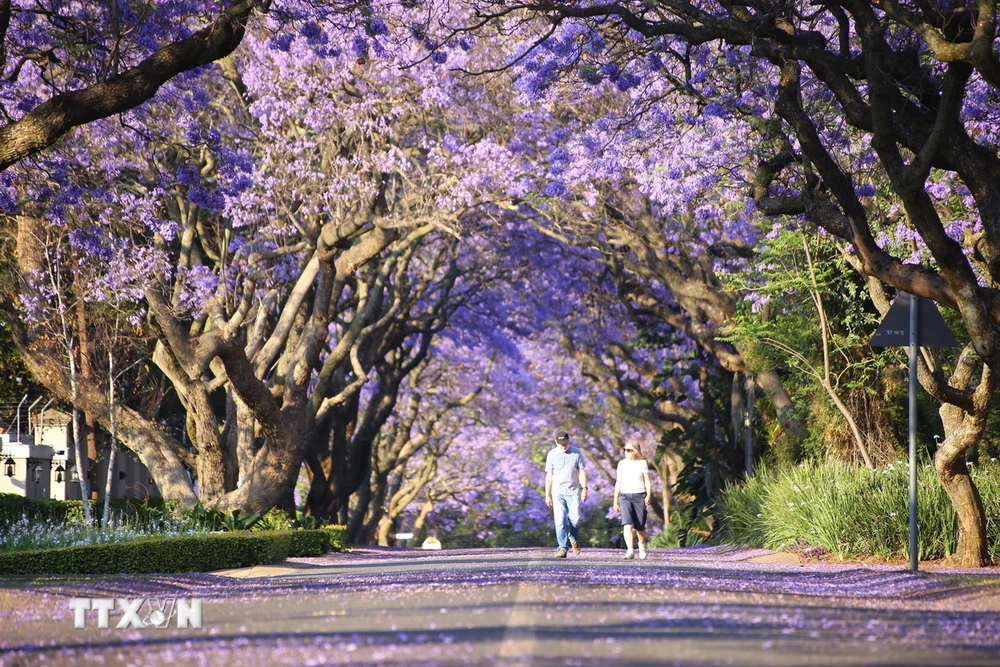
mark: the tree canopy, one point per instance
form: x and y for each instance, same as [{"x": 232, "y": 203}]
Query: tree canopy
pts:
[{"x": 394, "y": 246}]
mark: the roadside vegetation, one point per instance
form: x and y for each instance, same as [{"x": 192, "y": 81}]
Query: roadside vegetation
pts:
[
  {"x": 851, "y": 512},
  {"x": 52, "y": 537}
]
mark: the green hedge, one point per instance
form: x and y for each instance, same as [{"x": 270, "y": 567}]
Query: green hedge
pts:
[
  {"x": 197, "y": 553},
  {"x": 13, "y": 507},
  {"x": 317, "y": 542}
]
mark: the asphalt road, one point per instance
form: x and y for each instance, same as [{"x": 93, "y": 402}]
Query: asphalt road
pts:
[{"x": 703, "y": 606}]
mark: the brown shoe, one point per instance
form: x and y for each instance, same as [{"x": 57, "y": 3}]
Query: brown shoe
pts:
[
  {"x": 576, "y": 548},
  {"x": 561, "y": 553}
]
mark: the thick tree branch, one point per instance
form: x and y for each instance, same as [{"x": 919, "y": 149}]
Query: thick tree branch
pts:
[
  {"x": 46, "y": 123},
  {"x": 4, "y": 24}
]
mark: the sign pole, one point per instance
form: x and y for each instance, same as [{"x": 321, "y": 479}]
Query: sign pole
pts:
[
  {"x": 893, "y": 332},
  {"x": 748, "y": 428},
  {"x": 914, "y": 307}
]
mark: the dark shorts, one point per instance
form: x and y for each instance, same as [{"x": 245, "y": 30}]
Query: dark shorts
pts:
[{"x": 633, "y": 509}]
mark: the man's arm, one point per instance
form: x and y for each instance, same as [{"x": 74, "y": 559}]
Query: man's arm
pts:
[
  {"x": 583, "y": 481},
  {"x": 548, "y": 488}
]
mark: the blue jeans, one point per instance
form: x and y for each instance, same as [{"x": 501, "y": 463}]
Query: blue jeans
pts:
[{"x": 567, "y": 515}]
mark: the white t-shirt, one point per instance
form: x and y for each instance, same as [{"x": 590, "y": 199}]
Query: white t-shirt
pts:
[{"x": 630, "y": 476}]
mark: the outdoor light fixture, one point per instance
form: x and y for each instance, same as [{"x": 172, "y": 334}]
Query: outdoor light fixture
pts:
[
  {"x": 74, "y": 473},
  {"x": 36, "y": 470},
  {"x": 9, "y": 467},
  {"x": 59, "y": 473}
]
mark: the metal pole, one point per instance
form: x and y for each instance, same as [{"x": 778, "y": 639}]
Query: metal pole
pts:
[
  {"x": 30, "y": 408},
  {"x": 19, "y": 417},
  {"x": 748, "y": 426},
  {"x": 914, "y": 305},
  {"x": 40, "y": 429}
]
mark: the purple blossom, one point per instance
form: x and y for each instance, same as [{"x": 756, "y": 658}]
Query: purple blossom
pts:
[
  {"x": 282, "y": 42},
  {"x": 315, "y": 36},
  {"x": 359, "y": 46}
]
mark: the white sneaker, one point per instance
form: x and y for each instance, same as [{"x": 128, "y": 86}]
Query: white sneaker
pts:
[
  {"x": 628, "y": 555},
  {"x": 642, "y": 554}
]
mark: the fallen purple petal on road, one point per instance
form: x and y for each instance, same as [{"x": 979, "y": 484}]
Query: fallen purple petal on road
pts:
[{"x": 502, "y": 607}]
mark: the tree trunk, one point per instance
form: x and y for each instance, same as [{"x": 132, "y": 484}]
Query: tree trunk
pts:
[
  {"x": 274, "y": 472},
  {"x": 385, "y": 525},
  {"x": 955, "y": 478},
  {"x": 106, "y": 516},
  {"x": 153, "y": 447},
  {"x": 775, "y": 391},
  {"x": 963, "y": 428},
  {"x": 665, "y": 488},
  {"x": 961, "y": 432},
  {"x": 859, "y": 439},
  {"x": 87, "y": 374},
  {"x": 737, "y": 413},
  {"x": 418, "y": 525},
  {"x": 211, "y": 458},
  {"x": 357, "y": 515}
]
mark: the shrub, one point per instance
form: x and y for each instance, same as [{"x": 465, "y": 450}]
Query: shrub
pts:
[
  {"x": 198, "y": 553},
  {"x": 211, "y": 519},
  {"x": 851, "y": 511},
  {"x": 687, "y": 528},
  {"x": 13, "y": 507},
  {"x": 317, "y": 542},
  {"x": 308, "y": 522},
  {"x": 32, "y": 535},
  {"x": 274, "y": 519}
]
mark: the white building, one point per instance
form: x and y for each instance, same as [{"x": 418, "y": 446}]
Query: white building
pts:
[{"x": 37, "y": 460}]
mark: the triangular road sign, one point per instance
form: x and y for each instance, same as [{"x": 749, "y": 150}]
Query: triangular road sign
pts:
[{"x": 894, "y": 331}]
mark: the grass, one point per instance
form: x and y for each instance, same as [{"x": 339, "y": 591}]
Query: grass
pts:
[{"x": 852, "y": 512}]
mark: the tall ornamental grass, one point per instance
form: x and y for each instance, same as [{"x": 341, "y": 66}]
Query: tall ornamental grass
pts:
[{"x": 852, "y": 512}]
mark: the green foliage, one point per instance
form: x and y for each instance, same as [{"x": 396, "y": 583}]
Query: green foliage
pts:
[
  {"x": 319, "y": 541},
  {"x": 596, "y": 529},
  {"x": 308, "y": 522},
  {"x": 850, "y": 511},
  {"x": 198, "y": 553},
  {"x": 16, "y": 380},
  {"x": 508, "y": 536},
  {"x": 33, "y": 534},
  {"x": 13, "y": 507},
  {"x": 688, "y": 527},
  {"x": 708, "y": 458},
  {"x": 274, "y": 519},
  {"x": 797, "y": 272},
  {"x": 211, "y": 519},
  {"x": 180, "y": 554}
]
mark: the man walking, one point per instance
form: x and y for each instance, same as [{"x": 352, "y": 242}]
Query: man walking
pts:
[{"x": 565, "y": 488}]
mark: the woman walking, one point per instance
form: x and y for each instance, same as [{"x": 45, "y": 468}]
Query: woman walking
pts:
[{"x": 633, "y": 494}]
